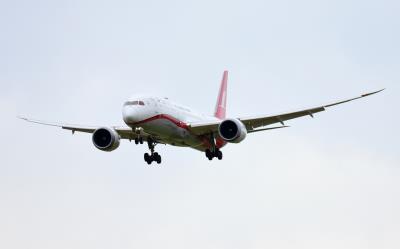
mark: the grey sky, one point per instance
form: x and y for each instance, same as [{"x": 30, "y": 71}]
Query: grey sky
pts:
[{"x": 328, "y": 182}]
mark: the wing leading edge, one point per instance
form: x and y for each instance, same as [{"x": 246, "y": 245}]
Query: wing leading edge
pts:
[{"x": 252, "y": 123}]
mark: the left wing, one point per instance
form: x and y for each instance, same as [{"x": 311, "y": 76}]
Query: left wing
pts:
[{"x": 252, "y": 123}]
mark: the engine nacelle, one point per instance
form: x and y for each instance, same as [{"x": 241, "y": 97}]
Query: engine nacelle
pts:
[
  {"x": 105, "y": 139},
  {"x": 232, "y": 131}
]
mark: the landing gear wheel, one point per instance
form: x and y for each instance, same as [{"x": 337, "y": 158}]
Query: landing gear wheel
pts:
[
  {"x": 209, "y": 154},
  {"x": 136, "y": 141},
  {"x": 141, "y": 140},
  {"x": 148, "y": 158},
  {"x": 219, "y": 155},
  {"x": 157, "y": 157}
]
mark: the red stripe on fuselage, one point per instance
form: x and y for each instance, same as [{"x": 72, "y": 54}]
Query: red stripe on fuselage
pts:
[{"x": 177, "y": 122}]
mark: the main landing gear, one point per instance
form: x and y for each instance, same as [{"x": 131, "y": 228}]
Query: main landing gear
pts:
[
  {"x": 154, "y": 156},
  {"x": 216, "y": 153},
  {"x": 213, "y": 151}
]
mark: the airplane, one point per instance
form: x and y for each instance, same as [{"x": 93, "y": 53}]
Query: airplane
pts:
[{"x": 157, "y": 120}]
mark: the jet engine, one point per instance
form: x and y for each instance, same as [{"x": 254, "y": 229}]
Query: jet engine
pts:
[
  {"x": 105, "y": 139},
  {"x": 232, "y": 131}
]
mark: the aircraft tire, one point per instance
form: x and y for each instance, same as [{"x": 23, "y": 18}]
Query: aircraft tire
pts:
[
  {"x": 219, "y": 154},
  {"x": 209, "y": 154},
  {"x": 158, "y": 159},
  {"x": 148, "y": 158}
]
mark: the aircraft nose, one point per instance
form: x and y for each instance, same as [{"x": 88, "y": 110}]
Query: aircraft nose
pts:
[{"x": 129, "y": 115}]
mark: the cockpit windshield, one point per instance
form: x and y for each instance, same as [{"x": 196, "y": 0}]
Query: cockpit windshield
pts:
[{"x": 136, "y": 102}]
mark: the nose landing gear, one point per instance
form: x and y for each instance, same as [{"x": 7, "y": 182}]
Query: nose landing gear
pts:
[{"x": 139, "y": 140}]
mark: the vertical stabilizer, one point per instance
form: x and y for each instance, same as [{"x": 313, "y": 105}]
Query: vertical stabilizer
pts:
[{"x": 220, "y": 108}]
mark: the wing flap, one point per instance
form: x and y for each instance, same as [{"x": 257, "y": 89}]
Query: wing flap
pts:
[{"x": 267, "y": 129}]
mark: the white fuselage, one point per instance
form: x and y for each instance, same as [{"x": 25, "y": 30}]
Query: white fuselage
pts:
[{"x": 162, "y": 118}]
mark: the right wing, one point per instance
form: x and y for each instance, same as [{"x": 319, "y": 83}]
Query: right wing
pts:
[
  {"x": 252, "y": 123},
  {"x": 123, "y": 132},
  {"x": 73, "y": 128}
]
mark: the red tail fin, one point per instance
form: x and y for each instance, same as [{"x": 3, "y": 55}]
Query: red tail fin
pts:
[{"x": 220, "y": 108}]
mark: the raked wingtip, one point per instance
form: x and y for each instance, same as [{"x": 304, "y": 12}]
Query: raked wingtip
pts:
[
  {"x": 371, "y": 93},
  {"x": 22, "y": 117}
]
